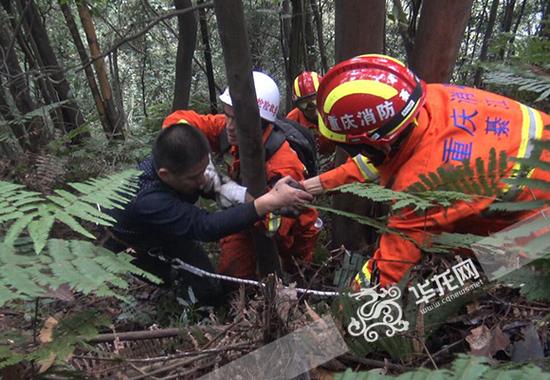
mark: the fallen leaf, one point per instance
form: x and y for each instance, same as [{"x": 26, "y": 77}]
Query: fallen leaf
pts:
[
  {"x": 485, "y": 342},
  {"x": 46, "y": 332},
  {"x": 530, "y": 347}
]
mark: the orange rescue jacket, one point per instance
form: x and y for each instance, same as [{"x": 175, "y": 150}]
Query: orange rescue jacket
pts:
[{"x": 456, "y": 123}]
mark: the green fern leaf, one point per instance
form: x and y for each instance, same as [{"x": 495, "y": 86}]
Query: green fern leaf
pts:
[
  {"x": 482, "y": 176},
  {"x": 39, "y": 229},
  {"x": 517, "y": 206},
  {"x": 531, "y": 183},
  {"x": 532, "y": 163},
  {"x": 71, "y": 222},
  {"x": 16, "y": 228},
  {"x": 464, "y": 367}
]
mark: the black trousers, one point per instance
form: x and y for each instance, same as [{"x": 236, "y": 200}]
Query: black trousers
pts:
[{"x": 207, "y": 291}]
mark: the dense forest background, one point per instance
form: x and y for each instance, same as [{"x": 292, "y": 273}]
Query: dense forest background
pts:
[
  {"x": 54, "y": 95},
  {"x": 84, "y": 87}
]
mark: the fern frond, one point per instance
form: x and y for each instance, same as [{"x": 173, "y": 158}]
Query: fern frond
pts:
[
  {"x": 79, "y": 264},
  {"x": 517, "y": 206},
  {"x": 464, "y": 367},
  {"x": 380, "y": 226},
  {"x": 481, "y": 180},
  {"x": 417, "y": 201},
  {"x": 532, "y": 183},
  {"x": 22, "y": 210},
  {"x": 532, "y": 83},
  {"x": 533, "y": 163}
]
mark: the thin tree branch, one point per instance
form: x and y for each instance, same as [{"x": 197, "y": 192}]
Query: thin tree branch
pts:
[{"x": 154, "y": 22}]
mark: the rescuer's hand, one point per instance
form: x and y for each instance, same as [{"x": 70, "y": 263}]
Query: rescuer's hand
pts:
[
  {"x": 313, "y": 185},
  {"x": 213, "y": 180},
  {"x": 282, "y": 195},
  {"x": 230, "y": 194}
]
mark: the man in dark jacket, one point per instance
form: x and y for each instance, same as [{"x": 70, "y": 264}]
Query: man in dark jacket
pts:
[{"x": 163, "y": 219}]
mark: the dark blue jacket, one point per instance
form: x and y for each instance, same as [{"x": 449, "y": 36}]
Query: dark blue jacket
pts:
[{"x": 158, "y": 213}]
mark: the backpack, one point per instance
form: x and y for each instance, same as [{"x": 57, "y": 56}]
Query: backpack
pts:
[{"x": 300, "y": 139}]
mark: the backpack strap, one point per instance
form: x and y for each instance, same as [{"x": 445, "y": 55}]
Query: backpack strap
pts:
[{"x": 273, "y": 143}]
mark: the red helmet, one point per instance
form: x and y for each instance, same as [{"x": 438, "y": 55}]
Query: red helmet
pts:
[
  {"x": 369, "y": 99},
  {"x": 305, "y": 85}
]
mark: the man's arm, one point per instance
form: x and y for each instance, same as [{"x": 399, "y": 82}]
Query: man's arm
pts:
[
  {"x": 356, "y": 169},
  {"x": 165, "y": 213}
]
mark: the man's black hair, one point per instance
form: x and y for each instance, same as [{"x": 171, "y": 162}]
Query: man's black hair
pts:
[{"x": 179, "y": 147}]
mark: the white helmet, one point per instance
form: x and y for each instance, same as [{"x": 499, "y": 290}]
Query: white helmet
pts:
[{"x": 267, "y": 96}]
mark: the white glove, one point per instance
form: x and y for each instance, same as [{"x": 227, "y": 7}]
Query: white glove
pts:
[
  {"x": 213, "y": 180},
  {"x": 231, "y": 193}
]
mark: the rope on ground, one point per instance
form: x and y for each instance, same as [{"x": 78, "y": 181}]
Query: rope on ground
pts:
[{"x": 179, "y": 264}]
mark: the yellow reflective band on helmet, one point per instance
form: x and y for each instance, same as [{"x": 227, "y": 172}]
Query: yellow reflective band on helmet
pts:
[
  {"x": 367, "y": 169},
  {"x": 183, "y": 121},
  {"x": 323, "y": 130},
  {"x": 273, "y": 223},
  {"x": 297, "y": 87},
  {"x": 315, "y": 78},
  {"x": 367, "y": 87},
  {"x": 363, "y": 278}
]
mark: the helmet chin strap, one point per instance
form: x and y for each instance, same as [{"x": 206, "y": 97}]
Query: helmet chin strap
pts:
[{"x": 380, "y": 153}]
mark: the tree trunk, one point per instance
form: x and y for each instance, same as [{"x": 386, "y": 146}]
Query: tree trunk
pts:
[
  {"x": 506, "y": 24},
  {"x": 117, "y": 86},
  {"x": 7, "y": 115},
  {"x": 187, "y": 39},
  {"x": 359, "y": 26},
  {"x": 90, "y": 78},
  {"x": 238, "y": 63},
  {"x": 479, "y": 21},
  {"x": 116, "y": 128},
  {"x": 440, "y": 32},
  {"x": 72, "y": 116},
  {"x": 285, "y": 25},
  {"x": 208, "y": 60},
  {"x": 320, "y": 38},
  {"x": 7, "y": 149},
  {"x": 516, "y": 26},
  {"x": 486, "y": 40},
  {"x": 310, "y": 59},
  {"x": 29, "y": 48},
  {"x": 30, "y": 134},
  {"x": 296, "y": 42},
  {"x": 142, "y": 77}
]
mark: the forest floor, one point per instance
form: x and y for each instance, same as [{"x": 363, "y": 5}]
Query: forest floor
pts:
[{"x": 157, "y": 334}]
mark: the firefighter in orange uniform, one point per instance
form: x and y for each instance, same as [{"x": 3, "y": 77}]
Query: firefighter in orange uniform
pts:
[
  {"x": 397, "y": 127},
  {"x": 304, "y": 91},
  {"x": 294, "y": 236}
]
